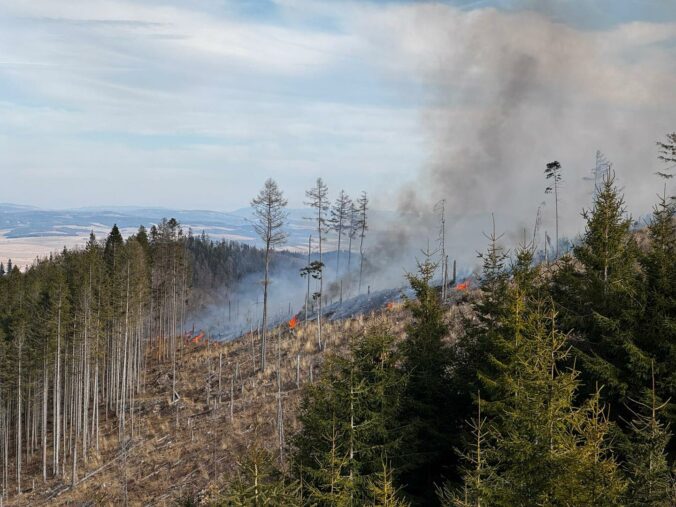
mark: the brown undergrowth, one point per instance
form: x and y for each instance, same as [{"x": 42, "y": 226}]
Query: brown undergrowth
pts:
[{"x": 188, "y": 449}]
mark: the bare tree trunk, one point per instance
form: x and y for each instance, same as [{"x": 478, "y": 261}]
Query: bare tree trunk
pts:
[
  {"x": 556, "y": 209},
  {"x": 321, "y": 288},
  {"x": 361, "y": 261},
  {"x": 265, "y": 304},
  {"x": 18, "y": 424},
  {"x": 232, "y": 398},
  {"x": 124, "y": 361},
  {"x": 307, "y": 296},
  {"x": 280, "y": 415},
  {"x": 45, "y": 393},
  {"x": 220, "y": 372}
]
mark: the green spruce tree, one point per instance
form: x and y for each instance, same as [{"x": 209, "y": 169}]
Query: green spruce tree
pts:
[
  {"x": 658, "y": 323},
  {"x": 428, "y": 416},
  {"x": 599, "y": 297},
  {"x": 259, "y": 483},
  {"x": 349, "y": 420},
  {"x": 651, "y": 482},
  {"x": 545, "y": 450}
]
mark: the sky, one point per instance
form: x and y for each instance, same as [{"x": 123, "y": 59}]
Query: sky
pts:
[{"x": 193, "y": 104}]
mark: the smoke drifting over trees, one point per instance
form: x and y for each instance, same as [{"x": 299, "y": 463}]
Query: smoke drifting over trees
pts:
[{"x": 507, "y": 92}]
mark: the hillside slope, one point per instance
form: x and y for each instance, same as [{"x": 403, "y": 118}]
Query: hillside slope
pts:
[{"x": 189, "y": 449}]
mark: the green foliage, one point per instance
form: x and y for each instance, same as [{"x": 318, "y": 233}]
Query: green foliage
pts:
[
  {"x": 541, "y": 449},
  {"x": 427, "y": 416},
  {"x": 600, "y": 299},
  {"x": 259, "y": 483},
  {"x": 658, "y": 323},
  {"x": 484, "y": 351},
  {"x": 383, "y": 491},
  {"x": 484, "y": 348},
  {"x": 477, "y": 469},
  {"x": 651, "y": 483},
  {"x": 348, "y": 420},
  {"x": 222, "y": 264}
]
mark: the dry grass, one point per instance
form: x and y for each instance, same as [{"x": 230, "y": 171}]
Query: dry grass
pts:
[{"x": 190, "y": 448}]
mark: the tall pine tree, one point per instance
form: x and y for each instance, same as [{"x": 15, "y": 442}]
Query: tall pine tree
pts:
[
  {"x": 598, "y": 292},
  {"x": 428, "y": 417}
]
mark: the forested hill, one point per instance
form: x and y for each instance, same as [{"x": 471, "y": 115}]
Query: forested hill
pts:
[
  {"x": 79, "y": 329},
  {"x": 552, "y": 383}
]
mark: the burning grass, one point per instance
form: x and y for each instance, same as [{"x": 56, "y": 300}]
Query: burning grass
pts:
[{"x": 188, "y": 449}]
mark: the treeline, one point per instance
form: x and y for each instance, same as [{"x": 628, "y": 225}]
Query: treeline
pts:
[
  {"x": 75, "y": 335},
  {"x": 79, "y": 329},
  {"x": 221, "y": 264},
  {"x": 560, "y": 390}
]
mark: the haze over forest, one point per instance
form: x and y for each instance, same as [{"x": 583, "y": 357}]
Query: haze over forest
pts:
[
  {"x": 132, "y": 104},
  {"x": 324, "y": 253}
]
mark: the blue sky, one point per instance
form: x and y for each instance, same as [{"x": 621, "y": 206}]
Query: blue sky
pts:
[{"x": 193, "y": 104}]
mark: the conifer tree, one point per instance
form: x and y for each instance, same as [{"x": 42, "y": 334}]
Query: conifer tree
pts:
[
  {"x": 651, "y": 482},
  {"x": 340, "y": 221},
  {"x": 269, "y": 212},
  {"x": 478, "y": 469},
  {"x": 259, "y": 483},
  {"x": 318, "y": 199},
  {"x": 553, "y": 173},
  {"x": 142, "y": 238},
  {"x": 349, "y": 420},
  {"x": 352, "y": 233},
  {"x": 361, "y": 225},
  {"x": 598, "y": 171},
  {"x": 547, "y": 451},
  {"x": 384, "y": 493},
  {"x": 330, "y": 481},
  {"x": 114, "y": 243},
  {"x": 483, "y": 350},
  {"x": 667, "y": 149},
  {"x": 657, "y": 327},
  {"x": 427, "y": 417},
  {"x": 598, "y": 293}
]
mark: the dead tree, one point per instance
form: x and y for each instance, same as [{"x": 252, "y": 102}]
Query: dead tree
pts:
[
  {"x": 340, "y": 221},
  {"x": 553, "y": 172},
  {"x": 269, "y": 216},
  {"x": 440, "y": 207},
  {"x": 318, "y": 200},
  {"x": 307, "y": 295},
  {"x": 362, "y": 227}
]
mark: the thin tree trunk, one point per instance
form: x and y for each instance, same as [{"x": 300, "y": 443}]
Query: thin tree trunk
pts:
[
  {"x": 45, "y": 392},
  {"x": 265, "y": 302}
]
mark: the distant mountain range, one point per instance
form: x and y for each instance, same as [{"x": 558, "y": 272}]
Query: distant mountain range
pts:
[
  {"x": 27, "y": 232},
  {"x": 19, "y": 221}
]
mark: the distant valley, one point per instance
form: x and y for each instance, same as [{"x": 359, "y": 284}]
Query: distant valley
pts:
[{"x": 27, "y": 232}]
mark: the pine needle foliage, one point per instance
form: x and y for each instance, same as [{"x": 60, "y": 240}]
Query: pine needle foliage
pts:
[
  {"x": 658, "y": 323},
  {"x": 651, "y": 483},
  {"x": 599, "y": 297},
  {"x": 260, "y": 483},
  {"x": 384, "y": 493},
  {"x": 541, "y": 449},
  {"x": 427, "y": 417},
  {"x": 348, "y": 421}
]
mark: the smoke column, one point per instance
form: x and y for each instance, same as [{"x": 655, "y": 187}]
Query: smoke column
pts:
[{"x": 507, "y": 92}]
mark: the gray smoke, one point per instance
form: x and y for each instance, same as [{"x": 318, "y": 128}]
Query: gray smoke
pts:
[
  {"x": 508, "y": 92},
  {"x": 504, "y": 94}
]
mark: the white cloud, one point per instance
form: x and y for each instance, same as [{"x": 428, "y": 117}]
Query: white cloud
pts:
[
  {"x": 508, "y": 92},
  {"x": 152, "y": 103}
]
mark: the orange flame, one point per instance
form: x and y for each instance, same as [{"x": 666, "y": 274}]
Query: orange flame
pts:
[
  {"x": 462, "y": 286},
  {"x": 293, "y": 322},
  {"x": 390, "y": 305},
  {"x": 198, "y": 337}
]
